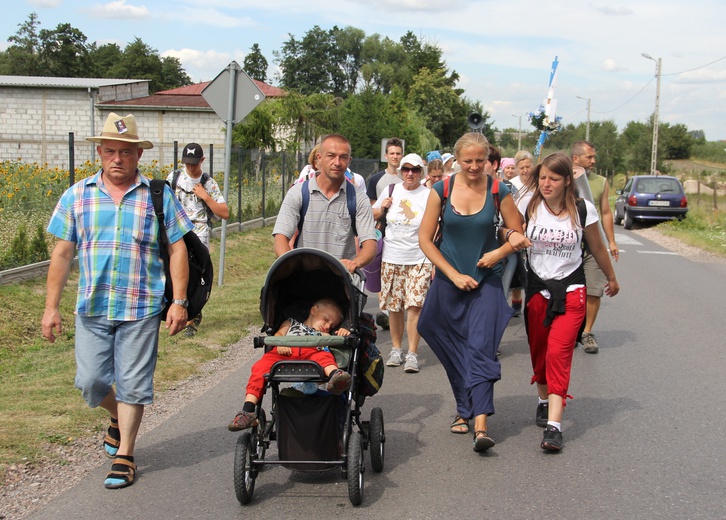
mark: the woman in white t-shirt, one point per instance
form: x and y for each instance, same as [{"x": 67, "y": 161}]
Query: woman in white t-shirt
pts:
[
  {"x": 405, "y": 270},
  {"x": 556, "y": 293}
]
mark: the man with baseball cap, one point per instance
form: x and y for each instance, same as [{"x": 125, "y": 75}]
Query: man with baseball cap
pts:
[
  {"x": 109, "y": 220},
  {"x": 201, "y": 198}
]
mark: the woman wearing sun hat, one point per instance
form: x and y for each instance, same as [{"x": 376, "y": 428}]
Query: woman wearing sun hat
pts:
[{"x": 405, "y": 270}]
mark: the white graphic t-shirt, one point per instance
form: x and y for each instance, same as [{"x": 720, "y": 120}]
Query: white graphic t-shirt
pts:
[
  {"x": 400, "y": 245},
  {"x": 555, "y": 251}
]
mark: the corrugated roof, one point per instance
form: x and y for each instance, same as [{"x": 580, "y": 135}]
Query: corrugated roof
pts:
[
  {"x": 162, "y": 101},
  {"x": 196, "y": 90},
  {"x": 44, "y": 81}
]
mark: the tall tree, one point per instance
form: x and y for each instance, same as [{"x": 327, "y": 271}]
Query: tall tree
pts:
[
  {"x": 139, "y": 61},
  {"x": 173, "y": 74},
  {"x": 24, "y": 54},
  {"x": 104, "y": 59},
  {"x": 432, "y": 98},
  {"x": 255, "y": 64},
  {"x": 677, "y": 141},
  {"x": 636, "y": 140},
  {"x": 306, "y": 65},
  {"x": 349, "y": 45},
  {"x": 63, "y": 52}
]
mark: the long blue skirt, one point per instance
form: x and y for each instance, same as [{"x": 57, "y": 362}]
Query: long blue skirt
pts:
[{"x": 463, "y": 329}]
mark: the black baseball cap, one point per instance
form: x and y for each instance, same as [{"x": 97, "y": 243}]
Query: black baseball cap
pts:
[{"x": 192, "y": 154}]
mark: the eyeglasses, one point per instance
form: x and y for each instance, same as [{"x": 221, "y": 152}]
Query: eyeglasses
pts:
[{"x": 415, "y": 169}]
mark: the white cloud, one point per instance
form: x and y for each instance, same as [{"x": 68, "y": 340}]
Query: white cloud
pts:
[
  {"x": 702, "y": 76},
  {"x": 41, "y": 4},
  {"x": 214, "y": 18},
  {"x": 610, "y": 10},
  {"x": 204, "y": 65},
  {"x": 610, "y": 65},
  {"x": 120, "y": 10}
]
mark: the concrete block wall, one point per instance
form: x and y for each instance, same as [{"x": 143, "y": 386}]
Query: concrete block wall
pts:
[{"x": 35, "y": 123}]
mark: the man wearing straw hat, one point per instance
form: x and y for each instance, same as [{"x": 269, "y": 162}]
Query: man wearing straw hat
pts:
[{"x": 109, "y": 220}]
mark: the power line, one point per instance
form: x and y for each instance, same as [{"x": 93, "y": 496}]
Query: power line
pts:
[
  {"x": 628, "y": 101},
  {"x": 697, "y": 68},
  {"x": 651, "y": 81}
]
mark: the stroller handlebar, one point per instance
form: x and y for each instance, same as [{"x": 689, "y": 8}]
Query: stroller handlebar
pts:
[{"x": 304, "y": 341}]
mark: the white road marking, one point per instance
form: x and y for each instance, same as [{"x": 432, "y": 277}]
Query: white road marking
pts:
[
  {"x": 658, "y": 252},
  {"x": 626, "y": 239}
]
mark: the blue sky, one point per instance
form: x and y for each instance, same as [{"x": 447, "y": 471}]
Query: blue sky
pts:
[{"x": 502, "y": 50}]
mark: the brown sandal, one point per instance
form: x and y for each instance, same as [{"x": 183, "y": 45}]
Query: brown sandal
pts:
[
  {"x": 110, "y": 445},
  {"x": 122, "y": 474},
  {"x": 460, "y": 425}
]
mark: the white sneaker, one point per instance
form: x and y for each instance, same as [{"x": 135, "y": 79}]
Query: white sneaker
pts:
[
  {"x": 395, "y": 359},
  {"x": 411, "y": 363}
]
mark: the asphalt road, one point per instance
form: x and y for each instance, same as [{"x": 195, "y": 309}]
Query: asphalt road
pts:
[{"x": 643, "y": 434}]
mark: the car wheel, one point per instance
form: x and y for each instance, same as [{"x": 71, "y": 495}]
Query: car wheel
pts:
[
  {"x": 618, "y": 219},
  {"x": 627, "y": 221}
]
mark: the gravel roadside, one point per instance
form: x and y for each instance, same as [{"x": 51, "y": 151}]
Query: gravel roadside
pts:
[{"x": 30, "y": 486}]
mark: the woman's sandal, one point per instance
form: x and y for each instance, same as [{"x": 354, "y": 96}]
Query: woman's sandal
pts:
[
  {"x": 111, "y": 444},
  {"x": 460, "y": 425},
  {"x": 482, "y": 441},
  {"x": 122, "y": 474}
]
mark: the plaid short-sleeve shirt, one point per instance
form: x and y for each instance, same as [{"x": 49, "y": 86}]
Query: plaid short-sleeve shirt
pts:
[{"x": 121, "y": 271}]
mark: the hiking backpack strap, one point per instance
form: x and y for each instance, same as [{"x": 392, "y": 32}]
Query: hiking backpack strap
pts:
[
  {"x": 582, "y": 213},
  {"x": 350, "y": 202},
  {"x": 157, "y": 198}
]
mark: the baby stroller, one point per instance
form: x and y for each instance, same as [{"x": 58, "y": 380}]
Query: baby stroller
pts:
[{"x": 314, "y": 432}]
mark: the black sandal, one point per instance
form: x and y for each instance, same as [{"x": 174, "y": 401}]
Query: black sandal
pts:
[
  {"x": 482, "y": 441},
  {"x": 460, "y": 425}
]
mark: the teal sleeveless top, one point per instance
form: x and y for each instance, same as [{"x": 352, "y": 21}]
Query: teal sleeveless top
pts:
[{"x": 466, "y": 238}]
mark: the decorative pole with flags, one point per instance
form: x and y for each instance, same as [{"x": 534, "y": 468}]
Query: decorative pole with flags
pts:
[{"x": 545, "y": 119}]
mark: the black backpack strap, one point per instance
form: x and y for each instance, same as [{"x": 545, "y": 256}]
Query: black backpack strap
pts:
[
  {"x": 582, "y": 213},
  {"x": 303, "y": 209},
  {"x": 175, "y": 179},
  {"x": 157, "y": 198},
  {"x": 350, "y": 195}
]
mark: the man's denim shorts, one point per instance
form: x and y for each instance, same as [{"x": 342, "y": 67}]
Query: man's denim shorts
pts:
[{"x": 120, "y": 352}]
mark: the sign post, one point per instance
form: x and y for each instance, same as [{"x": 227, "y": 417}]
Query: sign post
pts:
[{"x": 232, "y": 95}]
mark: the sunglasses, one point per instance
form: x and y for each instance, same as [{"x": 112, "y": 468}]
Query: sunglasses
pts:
[{"x": 415, "y": 169}]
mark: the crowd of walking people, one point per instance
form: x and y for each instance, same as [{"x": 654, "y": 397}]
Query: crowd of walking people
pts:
[{"x": 444, "y": 241}]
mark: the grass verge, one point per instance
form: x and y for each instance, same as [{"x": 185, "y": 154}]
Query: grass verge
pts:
[
  {"x": 704, "y": 227},
  {"x": 39, "y": 405}
]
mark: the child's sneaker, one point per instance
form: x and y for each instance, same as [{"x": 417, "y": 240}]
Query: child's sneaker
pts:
[
  {"x": 411, "y": 363},
  {"x": 242, "y": 421},
  {"x": 339, "y": 382}
]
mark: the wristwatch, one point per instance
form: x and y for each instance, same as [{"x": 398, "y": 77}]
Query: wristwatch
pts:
[{"x": 183, "y": 303}]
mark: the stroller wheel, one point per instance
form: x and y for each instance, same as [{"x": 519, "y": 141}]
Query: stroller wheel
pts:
[
  {"x": 244, "y": 475},
  {"x": 355, "y": 468},
  {"x": 377, "y": 440}
]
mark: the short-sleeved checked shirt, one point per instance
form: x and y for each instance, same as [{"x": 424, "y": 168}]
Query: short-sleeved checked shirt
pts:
[
  {"x": 327, "y": 223},
  {"x": 121, "y": 271}
]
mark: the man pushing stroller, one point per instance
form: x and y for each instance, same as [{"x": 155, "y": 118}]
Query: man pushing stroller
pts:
[{"x": 324, "y": 317}]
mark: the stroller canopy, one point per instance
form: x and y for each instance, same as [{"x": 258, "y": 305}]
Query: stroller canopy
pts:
[{"x": 302, "y": 276}]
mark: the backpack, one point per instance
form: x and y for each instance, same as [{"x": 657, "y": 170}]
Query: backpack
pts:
[
  {"x": 495, "y": 196},
  {"x": 370, "y": 361},
  {"x": 201, "y": 272},
  {"x": 202, "y": 181},
  {"x": 350, "y": 198}
]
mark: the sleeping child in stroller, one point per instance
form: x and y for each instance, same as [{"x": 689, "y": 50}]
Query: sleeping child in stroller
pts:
[{"x": 325, "y": 315}]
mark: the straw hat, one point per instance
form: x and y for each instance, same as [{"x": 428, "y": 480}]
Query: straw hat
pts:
[{"x": 119, "y": 128}]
